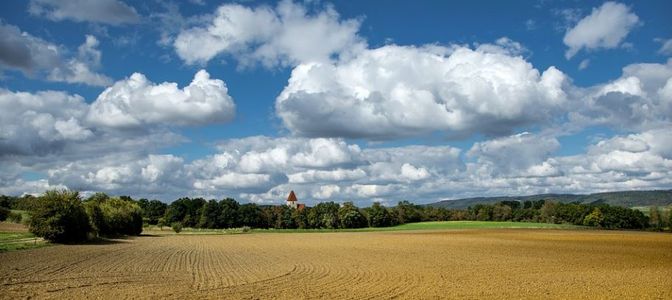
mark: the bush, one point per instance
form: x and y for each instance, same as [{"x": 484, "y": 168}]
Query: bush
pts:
[
  {"x": 177, "y": 227},
  {"x": 246, "y": 229},
  {"x": 595, "y": 218},
  {"x": 122, "y": 217},
  {"x": 15, "y": 217},
  {"x": 4, "y": 213},
  {"x": 59, "y": 216}
]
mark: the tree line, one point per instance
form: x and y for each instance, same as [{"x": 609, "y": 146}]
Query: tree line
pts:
[
  {"x": 63, "y": 216},
  {"x": 102, "y": 215}
]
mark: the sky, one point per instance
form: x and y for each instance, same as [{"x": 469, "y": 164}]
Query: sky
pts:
[{"x": 362, "y": 101}]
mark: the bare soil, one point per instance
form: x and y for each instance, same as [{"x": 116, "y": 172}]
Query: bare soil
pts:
[
  {"x": 12, "y": 227},
  {"x": 501, "y": 263}
]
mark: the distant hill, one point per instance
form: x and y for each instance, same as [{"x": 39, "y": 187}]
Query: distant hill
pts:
[{"x": 624, "y": 198}]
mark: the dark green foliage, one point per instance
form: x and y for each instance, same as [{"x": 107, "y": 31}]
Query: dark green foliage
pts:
[
  {"x": 210, "y": 213},
  {"x": 351, "y": 217},
  {"x": 378, "y": 216},
  {"x": 176, "y": 226},
  {"x": 122, "y": 217},
  {"x": 26, "y": 202},
  {"x": 407, "y": 212},
  {"x": 152, "y": 210},
  {"x": 300, "y": 217},
  {"x": 7, "y": 201},
  {"x": 185, "y": 210},
  {"x": 59, "y": 216},
  {"x": 96, "y": 217},
  {"x": 4, "y": 213},
  {"x": 251, "y": 215},
  {"x": 113, "y": 216},
  {"x": 98, "y": 198},
  {"x": 14, "y": 217},
  {"x": 502, "y": 212},
  {"x": 228, "y": 217},
  {"x": 616, "y": 217}
]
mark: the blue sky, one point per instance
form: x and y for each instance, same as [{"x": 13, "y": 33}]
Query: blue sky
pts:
[{"x": 336, "y": 100}]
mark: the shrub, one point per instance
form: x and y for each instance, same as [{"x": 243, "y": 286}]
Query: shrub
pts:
[
  {"x": 15, "y": 217},
  {"x": 96, "y": 217},
  {"x": 4, "y": 213},
  {"x": 59, "y": 216},
  {"x": 595, "y": 218},
  {"x": 246, "y": 229},
  {"x": 351, "y": 217},
  {"x": 122, "y": 217},
  {"x": 177, "y": 227}
]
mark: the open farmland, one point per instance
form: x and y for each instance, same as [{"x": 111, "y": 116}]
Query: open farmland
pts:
[{"x": 482, "y": 263}]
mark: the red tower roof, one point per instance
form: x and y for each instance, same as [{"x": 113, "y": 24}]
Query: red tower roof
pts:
[{"x": 291, "y": 197}]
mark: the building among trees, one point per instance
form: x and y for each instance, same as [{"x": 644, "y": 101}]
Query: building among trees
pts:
[{"x": 293, "y": 202}]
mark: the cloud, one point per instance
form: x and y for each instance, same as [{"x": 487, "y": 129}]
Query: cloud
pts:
[
  {"x": 584, "y": 64},
  {"x": 32, "y": 55},
  {"x": 78, "y": 70},
  {"x": 38, "y": 124},
  {"x": 665, "y": 47},
  {"x": 518, "y": 164},
  {"x": 111, "y": 12},
  {"x": 282, "y": 36},
  {"x": 136, "y": 101},
  {"x": 514, "y": 153},
  {"x": 399, "y": 91},
  {"x": 606, "y": 27},
  {"x": 638, "y": 100}
]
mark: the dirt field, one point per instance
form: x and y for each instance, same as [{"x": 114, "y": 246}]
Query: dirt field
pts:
[{"x": 503, "y": 263}]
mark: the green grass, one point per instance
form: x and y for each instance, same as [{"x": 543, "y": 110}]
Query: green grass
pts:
[
  {"x": 10, "y": 241},
  {"x": 25, "y": 215},
  {"x": 444, "y": 225}
]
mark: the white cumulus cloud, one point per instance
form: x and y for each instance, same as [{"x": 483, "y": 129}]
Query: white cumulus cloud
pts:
[
  {"x": 284, "y": 35},
  {"x": 398, "y": 91},
  {"x": 606, "y": 27},
  {"x": 35, "y": 56},
  {"x": 136, "y": 101}
]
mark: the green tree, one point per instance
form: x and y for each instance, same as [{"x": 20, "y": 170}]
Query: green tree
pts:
[
  {"x": 350, "y": 216},
  {"x": 595, "y": 218},
  {"x": 176, "y": 226},
  {"x": 153, "y": 211},
  {"x": 300, "y": 218},
  {"x": 407, "y": 212},
  {"x": 250, "y": 215},
  {"x": 229, "y": 217},
  {"x": 655, "y": 219},
  {"x": 327, "y": 215},
  {"x": 122, "y": 216},
  {"x": 96, "y": 217},
  {"x": 4, "y": 213},
  {"x": 185, "y": 210},
  {"x": 548, "y": 211},
  {"x": 501, "y": 212},
  {"x": 59, "y": 216},
  {"x": 98, "y": 197},
  {"x": 209, "y": 215},
  {"x": 378, "y": 216}
]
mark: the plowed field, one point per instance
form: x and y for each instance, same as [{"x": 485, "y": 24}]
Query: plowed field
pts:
[{"x": 502, "y": 263}]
